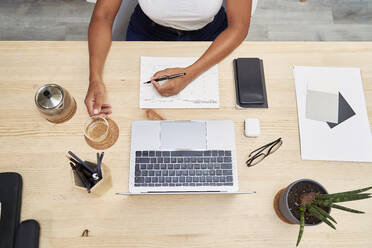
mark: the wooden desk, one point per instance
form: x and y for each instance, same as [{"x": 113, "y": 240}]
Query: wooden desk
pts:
[{"x": 36, "y": 149}]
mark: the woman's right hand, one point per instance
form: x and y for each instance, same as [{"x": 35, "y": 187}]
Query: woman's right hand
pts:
[{"x": 95, "y": 99}]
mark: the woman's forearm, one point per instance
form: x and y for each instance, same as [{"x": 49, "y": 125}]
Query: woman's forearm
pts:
[
  {"x": 222, "y": 46},
  {"x": 99, "y": 40}
]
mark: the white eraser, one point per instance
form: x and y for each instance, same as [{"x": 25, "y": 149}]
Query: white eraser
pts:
[{"x": 252, "y": 127}]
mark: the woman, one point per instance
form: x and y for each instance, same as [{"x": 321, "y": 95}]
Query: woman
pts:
[{"x": 167, "y": 20}]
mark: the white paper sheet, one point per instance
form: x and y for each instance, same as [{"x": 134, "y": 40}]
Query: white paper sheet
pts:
[
  {"x": 201, "y": 93},
  {"x": 349, "y": 141}
]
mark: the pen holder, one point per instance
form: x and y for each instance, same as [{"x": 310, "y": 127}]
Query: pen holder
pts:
[{"x": 101, "y": 186}]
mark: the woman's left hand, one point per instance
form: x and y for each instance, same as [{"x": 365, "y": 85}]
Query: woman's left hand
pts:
[{"x": 172, "y": 86}]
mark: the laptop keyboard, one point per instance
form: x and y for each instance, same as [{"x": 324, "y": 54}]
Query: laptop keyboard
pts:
[{"x": 183, "y": 168}]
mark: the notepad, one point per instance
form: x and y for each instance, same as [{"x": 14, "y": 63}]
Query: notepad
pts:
[{"x": 203, "y": 92}]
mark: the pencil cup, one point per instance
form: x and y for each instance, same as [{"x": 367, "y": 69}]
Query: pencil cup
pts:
[{"x": 101, "y": 186}]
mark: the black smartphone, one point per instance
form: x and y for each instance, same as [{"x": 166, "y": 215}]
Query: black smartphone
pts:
[{"x": 250, "y": 83}]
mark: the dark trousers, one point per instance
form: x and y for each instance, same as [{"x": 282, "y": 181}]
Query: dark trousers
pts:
[{"x": 142, "y": 28}]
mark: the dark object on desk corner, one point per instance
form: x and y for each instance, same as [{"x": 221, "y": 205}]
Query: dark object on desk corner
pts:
[
  {"x": 12, "y": 233},
  {"x": 250, "y": 84},
  {"x": 85, "y": 233},
  {"x": 27, "y": 235},
  {"x": 260, "y": 153},
  {"x": 307, "y": 203}
]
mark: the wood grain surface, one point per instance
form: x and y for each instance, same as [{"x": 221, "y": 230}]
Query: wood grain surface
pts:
[{"x": 36, "y": 149}]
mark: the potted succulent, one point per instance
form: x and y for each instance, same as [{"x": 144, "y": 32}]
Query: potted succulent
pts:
[{"x": 306, "y": 202}]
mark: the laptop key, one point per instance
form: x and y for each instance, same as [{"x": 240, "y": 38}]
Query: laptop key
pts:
[
  {"x": 197, "y": 166},
  {"x": 158, "y": 173},
  {"x": 179, "y": 160},
  {"x": 195, "y": 179},
  {"x": 207, "y": 153},
  {"x": 156, "y": 167},
  {"x": 227, "y": 172},
  {"x": 137, "y": 173},
  {"x": 212, "y": 172},
  {"x": 209, "y": 179},
  {"x": 185, "y": 184},
  {"x": 221, "y": 153},
  {"x": 168, "y": 179},
  {"x": 227, "y": 153},
  {"x": 199, "y": 172},
  {"x": 222, "y": 179},
  {"x": 220, "y": 159},
  {"x": 150, "y": 166},
  {"x": 184, "y": 166},
  {"x": 177, "y": 166},
  {"x": 216, "y": 179},
  {"x": 164, "y": 173},
  {"x": 158, "y": 153},
  {"x": 228, "y": 184},
  {"x": 155, "y": 179},
  {"x": 172, "y": 185},
  {"x": 205, "y": 173},
  {"x": 145, "y": 153},
  {"x": 204, "y": 166},
  {"x": 151, "y": 173},
  {"x": 202, "y": 179},
  {"x": 143, "y": 166},
  {"x": 172, "y": 173},
  {"x": 192, "y": 184},
  {"x": 147, "y": 179},
  {"x": 142, "y": 160},
  {"x": 170, "y": 166},
  {"x": 163, "y": 166},
  {"x": 160, "y": 160},
  {"x": 178, "y": 173},
  {"x": 173, "y": 160},
  {"x": 139, "y": 179},
  {"x": 227, "y": 159},
  {"x": 175, "y": 179},
  {"x": 161, "y": 179},
  {"x": 192, "y": 172},
  {"x": 138, "y": 153},
  {"x": 165, "y": 154},
  {"x": 166, "y": 160},
  {"x": 210, "y": 166},
  {"x": 229, "y": 179},
  {"x": 226, "y": 166},
  {"x": 153, "y": 160},
  {"x": 185, "y": 172},
  {"x": 190, "y": 166},
  {"x": 213, "y": 160},
  {"x": 151, "y": 185},
  {"x": 188, "y": 179},
  {"x": 157, "y": 184},
  {"x": 193, "y": 160},
  {"x": 137, "y": 167},
  {"x": 186, "y": 160},
  {"x": 178, "y": 184},
  {"x": 144, "y": 173},
  {"x": 200, "y": 160},
  {"x": 217, "y": 166},
  {"x": 151, "y": 153},
  {"x": 218, "y": 172},
  {"x": 182, "y": 179},
  {"x": 214, "y": 153},
  {"x": 137, "y": 184}
]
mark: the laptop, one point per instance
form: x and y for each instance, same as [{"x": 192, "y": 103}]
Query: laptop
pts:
[{"x": 183, "y": 157}]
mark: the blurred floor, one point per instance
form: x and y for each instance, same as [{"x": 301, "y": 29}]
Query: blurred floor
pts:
[{"x": 274, "y": 20}]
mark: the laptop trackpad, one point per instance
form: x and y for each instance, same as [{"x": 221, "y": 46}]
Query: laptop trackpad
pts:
[{"x": 178, "y": 135}]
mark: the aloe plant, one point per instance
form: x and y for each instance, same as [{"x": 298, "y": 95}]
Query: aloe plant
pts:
[{"x": 311, "y": 203}]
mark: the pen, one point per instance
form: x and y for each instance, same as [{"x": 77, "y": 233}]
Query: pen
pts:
[
  {"x": 99, "y": 169},
  {"x": 167, "y": 77},
  {"x": 81, "y": 162}
]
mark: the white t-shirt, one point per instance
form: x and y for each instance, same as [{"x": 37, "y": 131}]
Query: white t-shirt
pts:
[{"x": 181, "y": 14}]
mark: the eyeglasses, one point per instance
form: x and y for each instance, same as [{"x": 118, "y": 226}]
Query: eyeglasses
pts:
[{"x": 259, "y": 154}]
